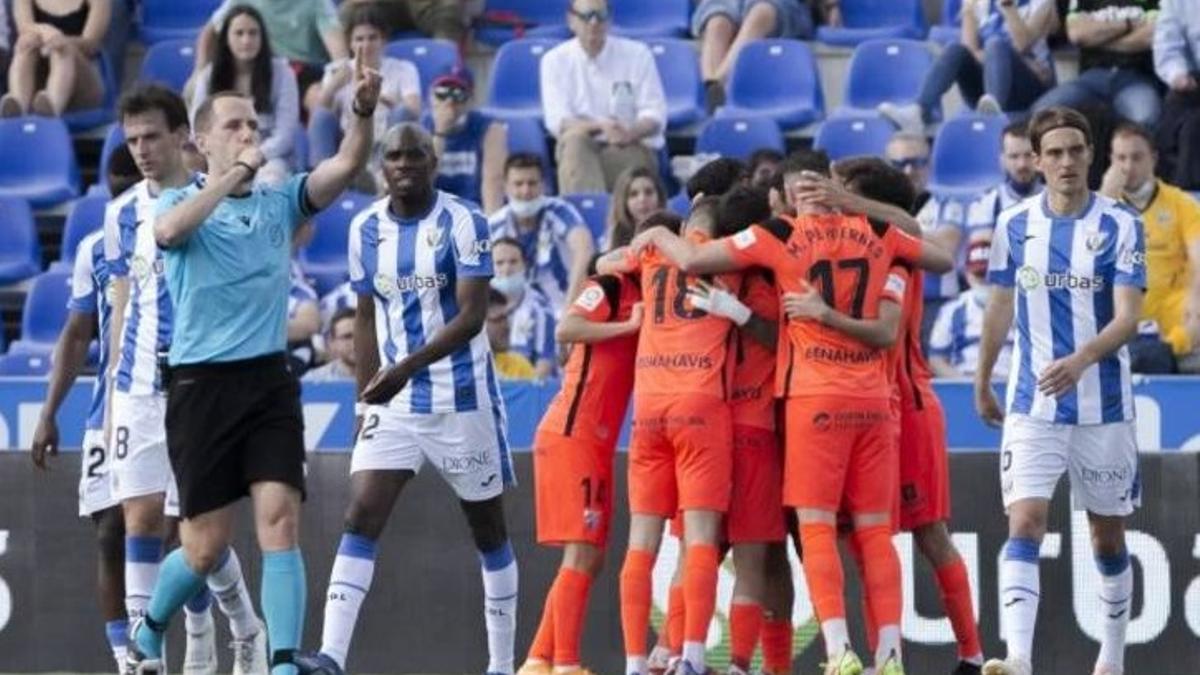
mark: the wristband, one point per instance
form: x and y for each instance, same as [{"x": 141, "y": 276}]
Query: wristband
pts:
[
  {"x": 360, "y": 112},
  {"x": 249, "y": 168}
]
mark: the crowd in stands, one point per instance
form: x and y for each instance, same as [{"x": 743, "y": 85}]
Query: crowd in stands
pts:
[{"x": 611, "y": 113}]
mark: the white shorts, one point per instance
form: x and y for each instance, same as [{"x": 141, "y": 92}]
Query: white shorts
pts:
[
  {"x": 1102, "y": 460},
  {"x": 95, "y": 479},
  {"x": 469, "y": 449},
  {"x": 138, "y": 446}
]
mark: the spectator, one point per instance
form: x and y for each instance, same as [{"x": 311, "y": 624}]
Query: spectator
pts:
[
  {"x": 341, "y": 297},
  {"x": 306, "y": 33},
  {"x": 942, "y": 220},
  {"x": 243, "y": 62},
  {"x": 471, "y": 148},
  {"x": 5, "y": 46},
  {"x": 1116, "y": 67},
  {"x": 530, "y": 316},
  {"x": 552, "y": 235},
  {"x": 1177, "y": 62},
  {"x": 717, "y": 177},
  {"x": 603, "y": 100},
  {"x": 1002, "y": 62},
  {"x": 303, "y": 324},
  {"x": 954, "y": 340},
  {"x": 637, "y": 194},
  {"x": 444, "y": 19},
  {"x": 510, "y": 365},
  {"x": 1172, "y": 221},
  {"x": 764, "y": 166},
  {"x": 1021, "y": 180},
  {"x": 339, "y": 344},
  {"x": 55, "y": 65},
  {"x": 724, "y": 26}
]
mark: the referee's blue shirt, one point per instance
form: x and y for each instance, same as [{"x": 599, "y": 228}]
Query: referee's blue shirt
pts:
[{"x": 229, "y": 280}]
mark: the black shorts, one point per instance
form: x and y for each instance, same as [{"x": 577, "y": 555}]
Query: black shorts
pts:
[{"x": 230, "y": 425}]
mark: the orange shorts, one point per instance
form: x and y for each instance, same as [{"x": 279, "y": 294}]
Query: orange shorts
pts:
[
  {"x": 841, "y": 453},
  {"x": 680, "y": 455},
  {"x": 573, "y": 489},
  {"x": 924, "y": 466},
  {"x": 756, "y": 505}
]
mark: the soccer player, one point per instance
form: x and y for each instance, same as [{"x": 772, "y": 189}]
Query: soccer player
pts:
[
  {"x": 420, "y": 261},
  {"x": 154, "y": 121},
  {"x": 838, "y": 436},
  {"x": 573, "y": 457},
  {"x": 1070, "y": 265},
  {"x": 233, "y": 419}
]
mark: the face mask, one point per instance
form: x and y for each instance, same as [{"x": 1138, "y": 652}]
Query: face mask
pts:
[
  {"x": 522, "y": 208},
  {"x": 981, "y": 292},
  {"x": 1143, "y": 193},
  {"x": 511, "y": 286}
]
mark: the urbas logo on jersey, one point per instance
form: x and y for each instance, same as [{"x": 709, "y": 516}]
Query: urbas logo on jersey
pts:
[
  {"x": 1029, "y": 279},
  {"x": 392, "y": 287}
]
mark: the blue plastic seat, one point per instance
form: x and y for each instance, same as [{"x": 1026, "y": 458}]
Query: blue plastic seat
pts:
[
  {"x": 86, "y": 216},
  {"x": 966, "y": 156},
  {"x": 737, "y": 137},
  {"x": 37, "y": 162},
  {"x": 526, "y": 135},
  {"x": 778, "y": 79},
  {"x": 169, "y": 63},
  {"x": 539, "y": 18},
  {"x": 679, "y": 69},
  {"x": 516, "y": 86},
  {"x": 431, "y": 56},
  {"x": 20, "y": 255},
  {"x": 948, "y": 30},
  {"x": 886, "y": 70},
  {"x": 90, "y": 118},
  {"x": 593, "y": 206},
  {"x": 853, "y": 136},
  {"x": 874, "y": 19},
  {"x": 680, "y": 204},
  {"x": 25, "y": 365},
  {"x": 641, "y": 19},
  {"x": 114, "y": 138},
  {"x": 45, "y": 313},
  {"x": 174, "y": 19},
  {"x": 324, "y": 259}
]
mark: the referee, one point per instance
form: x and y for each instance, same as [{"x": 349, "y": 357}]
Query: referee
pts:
[{"x": 234, "y": 424}]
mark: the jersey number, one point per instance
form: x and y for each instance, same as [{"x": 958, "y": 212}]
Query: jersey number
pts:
[
  {"x": 661, "y": 279},
  {"x": 122, "y": 439},
  {"x": 590, "y": 497},
  {"x": 95, "y": 461},
  {"x": 822, "y": 273}
]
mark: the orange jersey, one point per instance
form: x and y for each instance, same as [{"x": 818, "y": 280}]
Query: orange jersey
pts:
[
  {"x": 848, "y": 259},
  {"x": 682, "y": 349},
  {"x": 753, "y": 399},
  {"x": 911, "y": 375},
  {"x": 598, "y": 376}
]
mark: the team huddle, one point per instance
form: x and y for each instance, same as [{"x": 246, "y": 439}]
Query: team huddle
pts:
[{"x": 770, "y": 350}]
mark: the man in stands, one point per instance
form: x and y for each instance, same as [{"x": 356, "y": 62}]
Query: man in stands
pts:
[
  {"x": 471, "y": 148},
  {"x": 339, "y": 343},
  {"x": 954, "y": 340},
  {"x": 1021, "y": 181}
]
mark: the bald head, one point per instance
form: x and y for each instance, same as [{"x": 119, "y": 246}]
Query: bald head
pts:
[{"x": 407, "y": 135}]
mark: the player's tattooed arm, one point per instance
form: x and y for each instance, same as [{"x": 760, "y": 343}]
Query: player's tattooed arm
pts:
[
  {"x": 575, "y": 328},
  {"x": 70, "y": 355},
  {"x": 617, "y": 261},
  {"x": 710, "y": 257},
  {"x": 880, "y": 332},
  {"x": 814, "y": 189}
]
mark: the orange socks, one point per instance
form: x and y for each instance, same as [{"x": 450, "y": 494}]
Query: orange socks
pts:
[
  {"x": 570, "y": 606},
  {"x": 777, "y": 646},
  {"x": 823, "y": 570},
  {"x": 542, "y": 648},
  {"x": 868, "y": 617},
  {"x": 636, "y": 586},
  {"x": 745, "y": 623},
  {"x": 881, "y": 573},
  {"x": 676, "y": 611},
  {"x": 956, "y": 599},
  {"x": 699, "y": 590}
]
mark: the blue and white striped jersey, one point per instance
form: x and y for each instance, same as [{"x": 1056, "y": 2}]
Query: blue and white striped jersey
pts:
[
  {"x": 131, "y": 252},
  {"x": 957, "y": 331},
  {"x": 1064, "y": 271},
  {"x": 341, "y": 297},
  {"x": 90, "y": 295},
  {"x": 546, "y": 252},
  {"x": 935, "y": 214},
  {"x": 412, "y": 266},
  {"x": 531, "y": 327},
  {"x": 984, "y": 213}
]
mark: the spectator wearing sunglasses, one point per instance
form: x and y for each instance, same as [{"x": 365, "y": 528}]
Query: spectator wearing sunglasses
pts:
[
  {"x": 603, "y": 100},
  {"x": 471, "y": 147},
  {"x": 942, "y": 220}
]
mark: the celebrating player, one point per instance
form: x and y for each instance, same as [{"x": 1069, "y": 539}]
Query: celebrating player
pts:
[
  {"x": 420, "y": 262},
  {"x": 1071, "y": 265},
  {"x": 234, "y": 424}
]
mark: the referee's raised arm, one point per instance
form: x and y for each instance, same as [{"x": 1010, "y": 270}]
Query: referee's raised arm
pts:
[{"x": 331, "y": 177}]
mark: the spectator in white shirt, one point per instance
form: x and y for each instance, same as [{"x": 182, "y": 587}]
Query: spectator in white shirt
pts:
[
  {"x": 1021, "y": 180},
  {"x": 554, "y": 238},
  {"x": 603, "y": 100},
  {"x": 339, "y": 344},
  {"x": 954, "y": 341},
  {"x": 530, "y": 319},
  {"x": 1177, "y": 64}
]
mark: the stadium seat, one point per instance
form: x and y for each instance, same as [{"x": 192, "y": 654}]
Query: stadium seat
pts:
[
  {"x": 680, "y": 204},
  {"x": 734, "y": 137},
  {"x": 848, "y": 136},
  {"x": 90, "y": 118},
  {"x": 324, "y": 259},
  {"x": 886, "y": 70},
  {"x": 174, "y": 19},
  {"x": 169, "y": 63},
  {"x": 45, "y": 313},
  {"x": 777, "y": 79},
  {"x": 86, "y": 216},
  {"x": 593, "y": 206},
  {"x": 966, "y": 156},
  {"x": 24, "y": 365},
  {"x": 114, "y": 138},
  {"x": 640, "y": 19},
  {"x": 526, "y": 135},
  {"x": 516, "y": 86},
  {"x": 679, "y": 70},
  {"x": 431, "y": 56},
  {"x": 505, "y": 20},
  {"x": 38, "y": 161},
  {"x": 949, "y": 29},
  {"x": 20, "y": 256},
  {"x": 874, "y": 19}
]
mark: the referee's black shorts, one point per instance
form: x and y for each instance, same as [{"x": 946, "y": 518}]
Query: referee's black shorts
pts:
[{"x": 230, "y": 425}]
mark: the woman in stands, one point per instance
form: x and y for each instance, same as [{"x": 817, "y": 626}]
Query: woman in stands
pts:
[
  {"x": 243, "y": 62},
  {"x": 55, "y": 64},
  {"x": 637, "y": 193}
]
